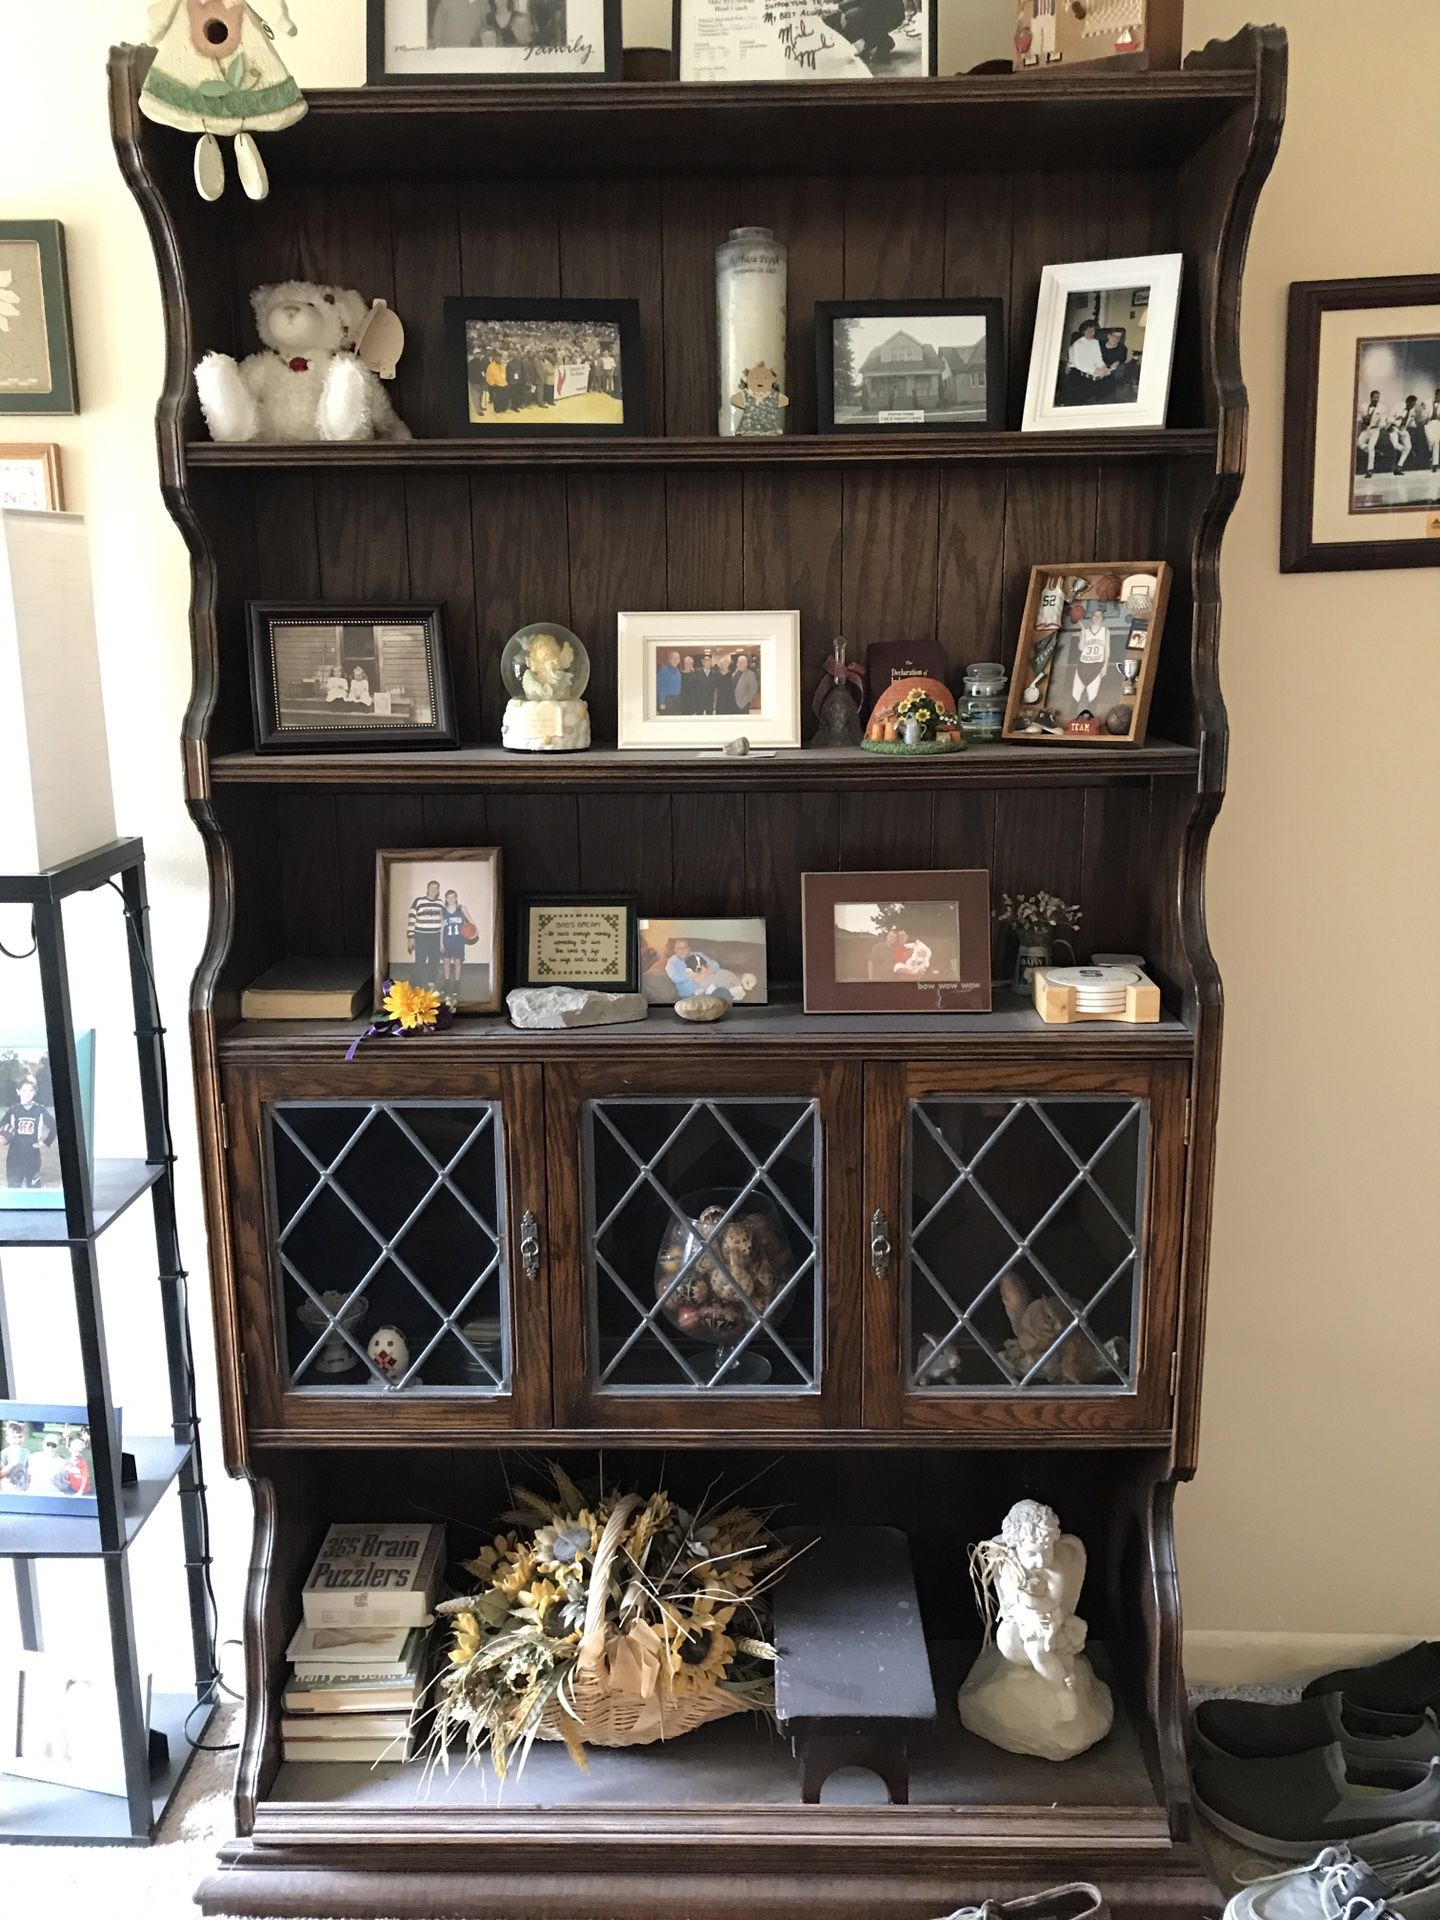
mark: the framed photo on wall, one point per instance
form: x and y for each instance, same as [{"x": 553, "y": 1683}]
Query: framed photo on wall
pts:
[
  {"x": 432, "y": 43},
  {"x": 742, "y": 41},
  {"x": 889, "y": 366},
  {"x": 545, "y": 366},
  {"x": 348, "y": 676},
  {"x": 30, "y": 478},
  {"x": 700, "y": 680},
  {"x": 1104, "y": 344},
  {"x": 902, "y": 942},
  {"x": 579, "y": 940},
  {"x": 1362, "y": 425},
  {"x": 438, "y": 924},
  {"x": 37, "y": 348}
]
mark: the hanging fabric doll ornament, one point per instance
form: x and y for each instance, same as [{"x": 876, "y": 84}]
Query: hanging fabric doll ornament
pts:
[{"x": 215, "y": 72}]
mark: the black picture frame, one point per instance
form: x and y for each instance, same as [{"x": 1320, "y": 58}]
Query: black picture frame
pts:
[
  {"x": 677, "y": 31},
  {"x": 62, "y": 396},
  {"x": 274, "y": 735},
  {"x": 377, "y": 74},
  {"x": 987, "y": 307},
  {"x": 1300, "y": 550},
  {"x": 625, "y": 903},
  {"x": 624, "y": 315}
]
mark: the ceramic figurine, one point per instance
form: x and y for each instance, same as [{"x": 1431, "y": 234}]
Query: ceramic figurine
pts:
[
  {"x": 914, "y": 715},
  {"x": 1037, "y": 1326},
  {"x": 1032, "y": 1689},
  {"x": 837, "y": 702},
  {"x": 545, "y": 669},
  {"x": 389, "y": 1350},
  {"x": 334, "y": 1310},
  {"x": 760, "y": 402}
]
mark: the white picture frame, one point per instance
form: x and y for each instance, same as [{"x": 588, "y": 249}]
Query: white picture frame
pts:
[
  {"x": 62, "y": 1723},
  {"x": 701, "y": 719},
  {"x": 1112, "y": 297}
]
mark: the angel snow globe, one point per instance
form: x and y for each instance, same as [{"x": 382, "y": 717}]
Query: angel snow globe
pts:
[{"x": 545, "y": 669}]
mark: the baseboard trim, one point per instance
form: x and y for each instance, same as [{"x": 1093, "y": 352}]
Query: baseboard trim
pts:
[{"x": 1216, "y": 1658}]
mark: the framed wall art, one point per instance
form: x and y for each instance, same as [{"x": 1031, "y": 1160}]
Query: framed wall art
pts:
[
  {"x": 701, "y": 680},
  {"x": 1362, "y": 426},
  {"x": 682, "y": 958},
  {"x": 1104, "y": 344},
  {"x": 61, "y": 1723},
  {"x": 438, "y": 924},
  {"x": 545, "y": 366},
  {"x": 887, "y": 366},
  {"x": 343, "y": 677},
  {"x": 1085, "y": 660},
  {"x": 896, "y": 942},
  {"x": 37, "y": 348},
  {"x": 432, "y": 43},
  {"x": 578, "y": 940},
  {"x": 742, "y": 41},
  {"x": 30, "y": 478}
]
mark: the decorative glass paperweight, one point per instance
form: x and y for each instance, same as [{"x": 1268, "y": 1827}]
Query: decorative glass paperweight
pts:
[{"x": 546, "y": 670}]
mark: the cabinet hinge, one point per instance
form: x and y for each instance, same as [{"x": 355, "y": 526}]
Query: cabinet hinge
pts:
[
  {"x": 1187, "y": 1123},
  {"x": 1174, "y": 1375},
  {"x": 225, "y": 1129}
]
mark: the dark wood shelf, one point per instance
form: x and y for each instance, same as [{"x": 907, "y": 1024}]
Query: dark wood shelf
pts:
[
  {"x": 36, "y": 1811},
  {"x": 63, "y": 1536},
  {"x": 114, "y": 1185},
  {"x": 794, "y": 770},
  {"x": 708, "y": 451}
]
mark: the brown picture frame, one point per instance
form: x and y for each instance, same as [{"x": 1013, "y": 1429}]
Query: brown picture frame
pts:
[
  {"x": 387, "y": 858},
  {"x": 1300, "y": 550},
  {"x": 1024, "y": 718},
  {"x": 823, "y": 895},
  {"x": 44, "y": 455}
]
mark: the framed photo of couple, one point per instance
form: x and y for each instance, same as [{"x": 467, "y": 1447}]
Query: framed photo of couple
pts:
[
  {"x": 438, "y": 924},
  {"x": 1104, "y": 344}
]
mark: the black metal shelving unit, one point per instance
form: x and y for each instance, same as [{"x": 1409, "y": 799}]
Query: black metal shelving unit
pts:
[{"x": 31, "y": 1810}]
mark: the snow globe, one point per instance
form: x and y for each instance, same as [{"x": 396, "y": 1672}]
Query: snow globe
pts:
[{"x": 545, "y": 669}]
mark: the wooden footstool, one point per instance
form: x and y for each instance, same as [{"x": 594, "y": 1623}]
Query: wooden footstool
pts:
[{"x": 852, "y": 1677}]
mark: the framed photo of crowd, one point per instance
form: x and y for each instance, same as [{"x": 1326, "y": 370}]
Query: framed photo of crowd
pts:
[{"x": 545, "y": 366}]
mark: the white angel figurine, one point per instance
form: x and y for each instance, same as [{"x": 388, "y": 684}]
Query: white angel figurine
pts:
[{"x": 1032, "y": 1690}]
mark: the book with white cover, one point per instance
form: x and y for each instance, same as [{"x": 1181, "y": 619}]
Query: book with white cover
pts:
[
  {"x": 326, "y": 1728},
  {"x": 350, "y": 1690},
  {"x": 369, "y": 1652},
  {"x": 357, "y": 1742},
  {"x": 375, "y": 1576}
]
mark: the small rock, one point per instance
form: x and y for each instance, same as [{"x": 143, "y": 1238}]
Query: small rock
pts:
[
  {"x": 737, "y": 749},
  {"x": 572, "y": 1007},
  {"x": 703, "y": 1006}
]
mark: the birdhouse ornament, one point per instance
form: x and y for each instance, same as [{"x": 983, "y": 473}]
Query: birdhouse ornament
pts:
[{"x": 216, "y": 72}]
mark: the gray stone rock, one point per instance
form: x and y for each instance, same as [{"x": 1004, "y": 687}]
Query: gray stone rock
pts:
[
  {"x": 572, "y": 1007},
  {"x": 703, "y": 1006}
]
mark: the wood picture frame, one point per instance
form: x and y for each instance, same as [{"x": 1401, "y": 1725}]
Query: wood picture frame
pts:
[
  {"x": 310, "y": 700},
  {"x": 445, "y": 871},
  {"x": 969, "y": 369},
  {"x": 30, "y": 477},
  {"x": 426, "y": 66},
  {"x": 799, "y": 62},
  {"x": 1378, "y": 504},
  {"x": 908, "y": 941},
  {"x": 1062, "y": 602},
  {"x": 1132, "y": 305},
  {"x": 560, "y": 935},
  {"x": 592, "y": 329},
  {"x": 37, "y": 347}
]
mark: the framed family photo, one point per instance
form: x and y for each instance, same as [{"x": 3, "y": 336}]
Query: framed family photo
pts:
[
  {"x": 1104, "y": 344},
  {"x": 748, "y": 40},
  {"x": 700, "y": 680},
  {"x": 450, "y": 42},
  {"x": 886, "y": 366},
  {"x": 579, "y": 940},
  {"x": 1085, "y": 661},
  {"x": 438, "y": 924},
  {"x": 901, "y": 942},
  {"x": 46, "y": 1462},
  {"x": 680, "y": 959},
  {"x": 30, "y": 478},
  {"x": 1362, "y": 426},
  {"x": 545, "y": 366},
  {"x": 30, "y": 1175},
  {"x": 346, "y": 677},
  {"x": 37, "y": 347}
]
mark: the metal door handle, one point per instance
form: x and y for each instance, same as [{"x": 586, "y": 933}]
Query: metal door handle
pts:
[
  {"x": 530, "y": 1244},
  {"x": 879, "y": 1243}
]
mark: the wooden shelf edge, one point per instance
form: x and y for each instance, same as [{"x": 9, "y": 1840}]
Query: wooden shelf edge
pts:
[{"x": 452, "y": 1434}]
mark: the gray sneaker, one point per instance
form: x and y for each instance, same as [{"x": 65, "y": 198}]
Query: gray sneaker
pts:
[
  {"x": 1292, "y": 1805},
  {"x": 1076, "y": 1901},
  {"x": 1399, "y": 1865},
  {"x": 1254, "y": 1731}
]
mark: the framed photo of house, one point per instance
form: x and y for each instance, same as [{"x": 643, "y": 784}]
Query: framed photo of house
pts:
[
  {"x": 579, "y": 940},
  {"x": 742, "y": 41},
  {"x": 37, "y": 347},
  {"x": 30, "y": 478},
  {"x": 1104, "y": 344},
  {"x": 1085, "y": 660},
  {"x": 896, "y": 942},
  {"x": 429, "y": 43},
  {"x": 1362, "y": 425},
  {"x": 700, "y": 680},
  {"x": 892, "y": 366},
  {"x": 545, "y": 367},
  {"x": 342, "y": 677},
  {"x": 439, "y": 924}
]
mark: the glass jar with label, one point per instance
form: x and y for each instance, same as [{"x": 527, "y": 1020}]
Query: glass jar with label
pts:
[{"x": 982, "y": 706}]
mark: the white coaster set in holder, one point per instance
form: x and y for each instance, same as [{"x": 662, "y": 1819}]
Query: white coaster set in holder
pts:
[{"x": 1067, "y": 994}]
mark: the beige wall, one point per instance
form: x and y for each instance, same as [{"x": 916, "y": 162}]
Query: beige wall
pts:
[{"x": 1314, "y": 1512}]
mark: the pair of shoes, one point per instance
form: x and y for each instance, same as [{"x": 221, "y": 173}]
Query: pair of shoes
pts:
[
  {"x": 1076, "y": 1901},
  {"x": 1407, "y": 1682},
  {"x": 1291, "y": 1804},
  {"x": 1393, "y": 1873},
  {"x": 1250, "y": 1730}
]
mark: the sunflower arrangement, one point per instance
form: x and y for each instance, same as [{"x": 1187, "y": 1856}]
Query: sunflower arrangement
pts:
[{"x": 606, "y": 1620}]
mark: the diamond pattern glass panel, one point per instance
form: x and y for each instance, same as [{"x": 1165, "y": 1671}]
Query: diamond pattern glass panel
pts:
[
  {"x": 390, "y": 1217},
  {"x": 1024, "y": 1244},
  {"x": 703, "y": 1236}
]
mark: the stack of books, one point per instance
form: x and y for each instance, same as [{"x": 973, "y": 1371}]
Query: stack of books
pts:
[{"x": 358, "y": 1660}]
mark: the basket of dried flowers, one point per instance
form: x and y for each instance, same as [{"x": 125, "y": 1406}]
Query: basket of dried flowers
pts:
[{"x": 608, "y": 1622}]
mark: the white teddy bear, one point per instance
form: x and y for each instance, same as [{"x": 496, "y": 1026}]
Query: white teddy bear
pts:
[{"x": 309, "y": 383}]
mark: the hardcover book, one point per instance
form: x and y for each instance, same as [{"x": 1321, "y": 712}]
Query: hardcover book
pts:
[
  {"x": 360, "y": 1650},
  {"x": 380, "y": 1576},
  {"x": 308, "y": 990}
]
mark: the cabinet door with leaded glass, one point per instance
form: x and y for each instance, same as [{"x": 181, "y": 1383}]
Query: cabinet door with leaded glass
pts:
[
  {"x": 387, "y": 1229},
  {"x": 1024, "y": 1247},
  {"x": 704, "y": 1241}
]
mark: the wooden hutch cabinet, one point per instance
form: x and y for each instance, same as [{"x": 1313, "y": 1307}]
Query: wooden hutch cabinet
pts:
[{"x": 500, "y": 1195}]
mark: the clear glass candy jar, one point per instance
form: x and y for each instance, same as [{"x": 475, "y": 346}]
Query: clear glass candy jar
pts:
[
  {"x": 717, "y": 1272},
  {"x": 982, "y": 705},
  {"x": 546, "y": 670}
]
